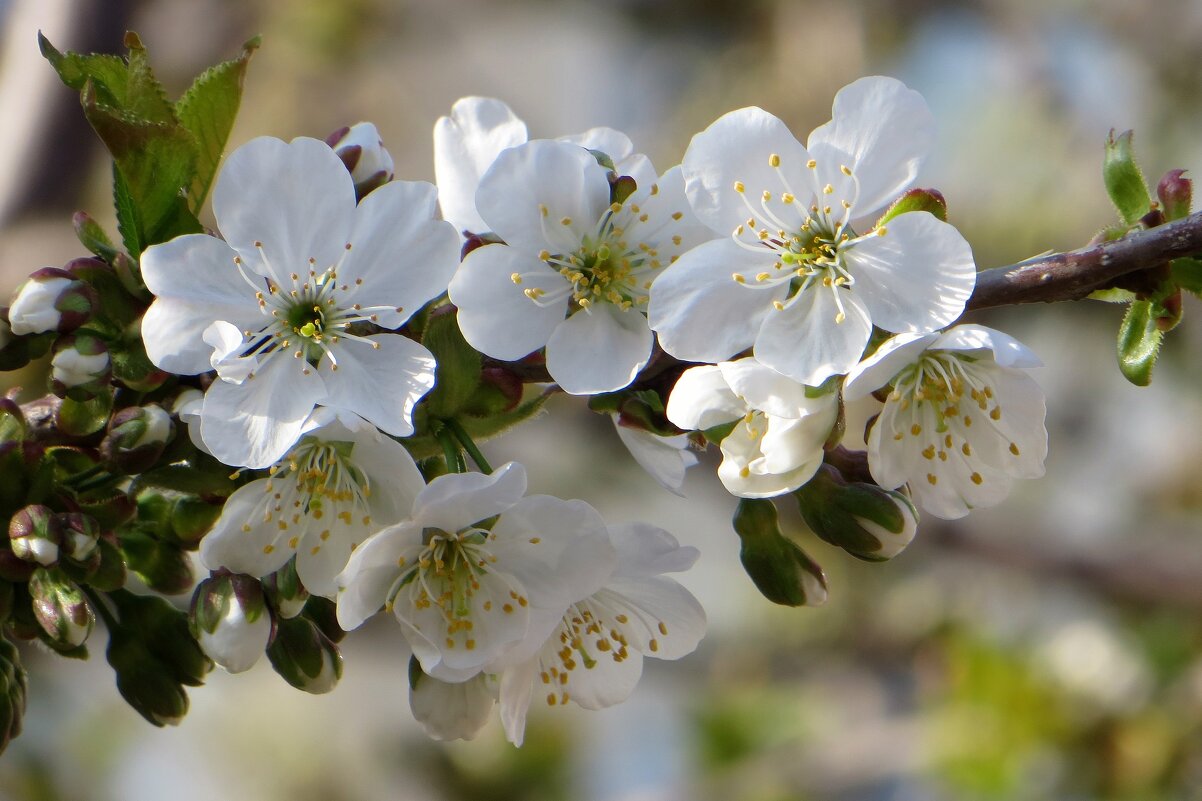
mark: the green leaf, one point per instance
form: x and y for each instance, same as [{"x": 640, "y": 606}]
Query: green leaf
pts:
[
  {"x": 458, "y": 371},
  {"x": 144, "y": 95},
  {"x": 207, "y": 110},
  {"x": 155, "y": 161},
  {"x": 1124, "y": 182},
  {"x": 128, "y": 224},
  {"x": 1139, "y": 343},
  {"x": 82, "y": 418},
  {"x": 107, "y": 73},
  {"x": 1187, "y": 274}
]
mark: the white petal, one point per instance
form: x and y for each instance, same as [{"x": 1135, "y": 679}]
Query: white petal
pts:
[
  {"x": 737, "y": 148},
  {"x": 227, "y": 342},
  {"x": 255, "y": 552},
  {"x": 196, "y": 282},
  {"x": 888, "y": 130},
  {"x": 452, "y": 711},
  {"x": 296, "y": 198},
  {"x": 543, "y": 195},
  {"x": 496, "y": 318},
  {"x": 984, "y": 342},
  {"x": 372, "y": 570},
  {"x": 874, "y": 372},
  {"x": 669, "y": 217},
  {"x": 454, "y": 501},
  {"x": 559, "y": 550},
  {"x": 517, "y": 685},
  {"x": 599, "y": 350},
  {"x": 664, "y": 458},
  {"x": 394, "y": 478},
  {"x": 381, "y": 385},
  {"x": 700, "y": 312},
  {"x": 254, "y": 423},
  {"x": 607, "y": 682},
  {"x": 465, "y": 146},
  {"x": 318, "y": 561},
  {"x": 404, "y": 255},
  {"x": 672, "y": 608},
  {"x": 917, "y": 277},
  {"x": 804, "y": 342},
  {"x": 767, "y": 390},
  {"x": 647, "y": 550},
  {"x": 702, "y": 399},
  {"x": 744, "y": 471}
]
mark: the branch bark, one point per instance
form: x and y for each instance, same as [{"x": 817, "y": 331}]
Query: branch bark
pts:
[{"x": 1073, "y": 275}]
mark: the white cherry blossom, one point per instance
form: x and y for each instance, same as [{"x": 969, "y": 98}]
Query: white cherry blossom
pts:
[
  {"x": 467, "y": 142},
  {"x": 962, "y": 418},
  {"x": 575, "y": 269},
  {"x": 476, "y": 570},
  {"x": 777, "y": 442},
  {"x": 284, "y": 306},
  {"x": 342, "y": 482},
  {"x": 666, "y": 459},
  {"x": 594, "y": 656},
  {"x": 801, "y": 273}
]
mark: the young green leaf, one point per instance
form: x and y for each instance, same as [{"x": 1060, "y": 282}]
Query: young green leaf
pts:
[
  {"x": 1124, "y": 181},
  {"x": 207, "y": 110},
  {"x": 1139, "y": 343}
]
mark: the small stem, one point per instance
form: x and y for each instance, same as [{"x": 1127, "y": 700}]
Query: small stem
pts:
[
  {"x": 468, "y": 445},
  {"x": 450, "y": 451}
]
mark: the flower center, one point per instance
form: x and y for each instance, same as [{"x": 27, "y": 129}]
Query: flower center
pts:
[
  {"x": 936, "y": 397},
  {"x": 316, "y": 481},
  {"x": 309, "y": 313},
  {"x": 806, "y": 243},
  {"x": 615, "y": 262}
]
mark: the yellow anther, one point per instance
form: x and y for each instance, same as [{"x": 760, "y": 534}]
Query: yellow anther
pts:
[
  {"x": 516, "y": 278},
  {"x": 811, "y": 164},
  {"x": 739, "y": 187},
  {"x": 881, "y": 231},
  {"x": 843, "y": 168},
  {"x": 778, "y": 305},
  {"x": 566, "y": 221},
  {"x": 828, "y": 190},
  {"x": 787, "y": 198},
  {"x": 916, "y": 429},
  {"x": 738, "y": 279},
  {"x": 932, "y": 479},
  {"x": 774, "y": 160},
  {"x": 766, "y": 196},
  {"x": 677, "y": 215},
  {"x": 544, "y": 255},
  {"x": 1014, "y": 448},
  {"x": 976, "y": 478}
]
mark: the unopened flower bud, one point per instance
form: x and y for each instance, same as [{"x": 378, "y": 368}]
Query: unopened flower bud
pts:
[
  {"x": 35, "y": 535},
  {"x": 229, "y": 619},
  {"x": 868, "y": 522},
  {"x": 146, "y": 683},
  {"x": 136, "y": 438},
  {"x": 1176, "y": 194},
  {"x": 80, "y": 368},
  {"x": 286, "y": 591},
  {"x": 51, "y": 300},
  {"x": 780, "y": 569},
  {"x": 61, "y": 608},
  {"x": 362, "y": 151},
  {"x": 80, "y": 536},
  {"x": 305, "y": 657}
]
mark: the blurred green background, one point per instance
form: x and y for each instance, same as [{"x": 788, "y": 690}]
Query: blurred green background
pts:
[{"x": 1050, "y": 648}]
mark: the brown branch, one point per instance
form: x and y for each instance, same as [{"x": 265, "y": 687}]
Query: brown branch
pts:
[{"x": 1073, "y": 275}]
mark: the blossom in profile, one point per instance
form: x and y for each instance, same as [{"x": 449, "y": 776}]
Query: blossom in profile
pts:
[
  {"x": 340, "y": 483},
  {"x": 962, "y": 419},
  {"x": 476, "y": 570},
  {"x": 576, "y": 265},
  {"x": 803, "y": 272},
  {"x": 665, "y": 459},
  {"x": 290, "y": 307},
  {"x": 780, "y": 426}
]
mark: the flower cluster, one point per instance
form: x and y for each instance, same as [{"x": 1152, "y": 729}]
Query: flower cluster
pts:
[{"x": 344, "y": 338}]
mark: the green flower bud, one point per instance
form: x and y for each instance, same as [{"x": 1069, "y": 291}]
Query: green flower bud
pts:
[
  {"x": 80, "y": 536},
  {"x": 136, "y": 438},
  {"x": 51, "y": 299},
  {"x": 12, "y": 692},
  {"x": 930, "y": 200},
  {"x": 868, "y": 522},
  {"x": 305, "y": 657},
  {"x": 780, "y": 569},
  {"x": 285, "y": 590},
  {"x": 230, "y": 621},
  {"x": 1123, "y": 179},
  {"x": 35, "y": 535},
  {"x": 61, "y": 608},
  {"x": 80, "y": 368},
  {"x": 1176, "y": 194},
  {"x": 191, "y": 519},
  {"x": 161, "y": 564}
]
